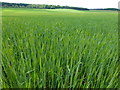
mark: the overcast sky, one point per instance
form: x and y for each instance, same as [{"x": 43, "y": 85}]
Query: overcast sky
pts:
[{"x": 78, "y": 3}]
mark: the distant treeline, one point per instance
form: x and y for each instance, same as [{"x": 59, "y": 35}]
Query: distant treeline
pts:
[
  {"x": 38, "y": 6},
  {"x": 43, "y": 6},
  {"x": 114, "y": 9}
]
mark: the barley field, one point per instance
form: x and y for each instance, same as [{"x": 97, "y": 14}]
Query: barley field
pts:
[{"x": 59, "y": 48}]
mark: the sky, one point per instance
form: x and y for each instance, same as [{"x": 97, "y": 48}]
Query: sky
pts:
[{"x": 77, "y": 3}]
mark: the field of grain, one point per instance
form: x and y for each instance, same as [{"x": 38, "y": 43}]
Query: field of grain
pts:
[{"x": 59, "y": 48}]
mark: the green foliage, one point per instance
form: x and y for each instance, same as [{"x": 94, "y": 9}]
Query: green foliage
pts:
[
  {"x": 59, "y": 49},
  {"x": 113, "y": 9},
  {"x": 39, "y": 6}
]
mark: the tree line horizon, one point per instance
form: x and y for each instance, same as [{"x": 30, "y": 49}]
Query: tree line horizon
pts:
[{"x": 45, "y": 6}]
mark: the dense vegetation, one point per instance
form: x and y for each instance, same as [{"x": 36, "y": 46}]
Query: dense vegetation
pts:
[
  {"x": 43, "y": 6},
  {"x": 59, "y": 48},
  {"x": 38, "y": 6},
  {"x": 114, "y": 9}
]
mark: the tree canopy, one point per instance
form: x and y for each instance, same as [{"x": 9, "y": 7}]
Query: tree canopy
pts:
[
  {"x": 39, "y": 6},
  {"x": 44, "y": 6}
]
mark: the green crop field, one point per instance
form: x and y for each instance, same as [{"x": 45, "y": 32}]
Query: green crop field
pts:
[{"x": 59, "y": 48}]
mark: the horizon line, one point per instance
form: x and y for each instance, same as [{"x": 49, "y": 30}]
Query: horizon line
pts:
[{"x": 56, "y": 5}]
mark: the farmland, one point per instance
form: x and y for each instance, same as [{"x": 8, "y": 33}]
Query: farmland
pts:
[{"x": 59, "y": 48}]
